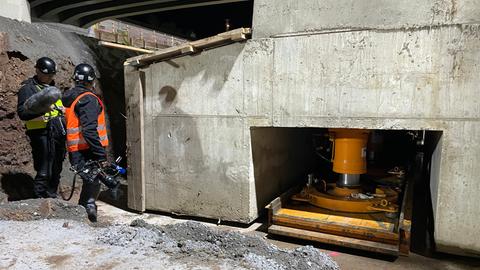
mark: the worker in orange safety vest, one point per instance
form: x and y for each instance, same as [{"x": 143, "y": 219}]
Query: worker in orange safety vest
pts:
[{"x": 86, "y": 132}]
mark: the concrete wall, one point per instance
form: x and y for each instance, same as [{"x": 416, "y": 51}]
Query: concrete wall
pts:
[
  {"x": 313, "y": 15},
  {"x": 16, "y": 9},
  {"x": 200, "y": 151},
  {"x": 418, "y": 79},
  {"x": 377, "y": 76}
]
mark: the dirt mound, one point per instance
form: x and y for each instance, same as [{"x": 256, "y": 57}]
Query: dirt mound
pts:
[
  {"x": 14, "y": 148},
  {"x": 20, "y": 45},
  {"x": 36, "y": 209},
  {"x": 192, "y": 240},
  {"x": 15, "y": 153}
]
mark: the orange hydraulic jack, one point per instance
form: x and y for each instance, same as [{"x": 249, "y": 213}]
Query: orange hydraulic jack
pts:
[
  {"x": 342, "y": 213},
  {"x": 346, "y": 195}
]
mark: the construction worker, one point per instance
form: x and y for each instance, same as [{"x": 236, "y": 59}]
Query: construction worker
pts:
[
  {"x": 45, "y": 130},
  {"x": 86, "y": 133}
]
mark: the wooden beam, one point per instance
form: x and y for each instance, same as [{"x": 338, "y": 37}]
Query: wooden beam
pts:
[
  {"x": 123, "y": 47},
  {"x": 335, "y": 240},
  {"x": 405, "y": 221},
  {"x": 222, "y": 39},
  {"x": 341, "y": 229}
]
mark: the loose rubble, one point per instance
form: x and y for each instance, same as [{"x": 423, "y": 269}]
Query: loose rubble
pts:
[
  {"x": 192, "y": 239},
  {"x": 35, "y": 209}
]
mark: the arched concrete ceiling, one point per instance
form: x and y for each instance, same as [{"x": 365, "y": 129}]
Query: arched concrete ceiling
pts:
[{"x": 148, "y": 13}]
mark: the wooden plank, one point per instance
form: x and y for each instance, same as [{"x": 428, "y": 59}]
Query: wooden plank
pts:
[
  {"x": 187, "y": 49},
  {"x": 334, "y": 219},
  {"x": 107, "y": 36},
  {"x": 123, "y": 47},
  {"x": 281, "y": 200},
  {"x": 405, "y": 222},
  {"x": 281, "y": 214},
  {"x": 134, "y": 98},
  {"x": 335, "y": 240},
  {"x": 191, "y": 47},
  {"x": 236, "y": 32},
  {"x": 337, "y": 229}
]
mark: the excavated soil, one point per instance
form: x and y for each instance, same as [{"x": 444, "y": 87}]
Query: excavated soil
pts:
[
  {"x": 20, "y": 45},
  {"x": 16, "y": 165},
  {"x": 15, "y": 150},
  {"x": 36, "y": 209}
]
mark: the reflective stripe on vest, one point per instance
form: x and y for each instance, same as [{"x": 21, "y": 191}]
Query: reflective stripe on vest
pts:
[
  {"x": 82, "y": 141},
  {"x": 75, "y": 140},
  {"x": 79, "y": 129},
  {"x": 41, "y": 121}
]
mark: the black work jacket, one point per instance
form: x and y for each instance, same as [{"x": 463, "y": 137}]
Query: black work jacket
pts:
[{"x": 87, "y": 110}]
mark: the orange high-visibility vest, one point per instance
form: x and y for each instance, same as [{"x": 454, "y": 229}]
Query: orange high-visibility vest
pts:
[{"x": 75, "y": 140}]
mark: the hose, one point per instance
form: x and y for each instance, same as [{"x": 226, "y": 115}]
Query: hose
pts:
[
  {"x": 317, "y": 152},
  {"x": 73, "y": 188}
]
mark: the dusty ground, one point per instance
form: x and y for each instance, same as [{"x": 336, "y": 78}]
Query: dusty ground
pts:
[
  {"x": 125, "y": 240},
  {"x": 37, "y": 209},
  {"x": 60, "y": 237},
  {"x": 345, "y": 258}
]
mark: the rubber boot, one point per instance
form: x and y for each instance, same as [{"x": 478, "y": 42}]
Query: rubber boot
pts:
[
  {"x": 57, "y": 155},
  {"x": 88, "y": 196},
  {"x": 40, "y": 185},
  {"x": 91, "y": 209}
]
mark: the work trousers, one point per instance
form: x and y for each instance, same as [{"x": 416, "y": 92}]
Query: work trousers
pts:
[
  {"x": 90, "y": 187},
  {"x": 48, "y": 151}
]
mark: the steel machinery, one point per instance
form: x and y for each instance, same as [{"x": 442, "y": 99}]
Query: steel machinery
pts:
[{"x": 348, "y": 211}]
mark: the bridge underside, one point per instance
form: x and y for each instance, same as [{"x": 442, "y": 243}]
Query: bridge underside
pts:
[{"x": 191, "y": 19}]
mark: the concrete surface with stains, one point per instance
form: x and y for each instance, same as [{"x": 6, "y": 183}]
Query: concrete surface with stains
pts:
[{"x": 310, "y": 16}]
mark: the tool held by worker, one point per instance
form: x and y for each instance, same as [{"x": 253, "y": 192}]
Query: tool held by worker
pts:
[
  {"x": 42, "y": 101},
  {"x": 107, "y": 174}
]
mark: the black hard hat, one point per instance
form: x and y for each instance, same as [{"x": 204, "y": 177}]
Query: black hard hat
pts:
[
  {"x": 46, "y": 65},
  {"x": 84, "y": 73}
]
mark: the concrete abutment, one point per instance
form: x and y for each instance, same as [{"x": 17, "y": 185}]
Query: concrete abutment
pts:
[{"x": 394, "y": 71}]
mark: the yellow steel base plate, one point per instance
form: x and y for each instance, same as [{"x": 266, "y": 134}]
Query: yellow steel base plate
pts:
[{"x": 339, "y": 199}]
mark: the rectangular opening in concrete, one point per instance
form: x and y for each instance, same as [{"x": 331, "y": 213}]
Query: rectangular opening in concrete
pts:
[{"x": 284, "y": 157}]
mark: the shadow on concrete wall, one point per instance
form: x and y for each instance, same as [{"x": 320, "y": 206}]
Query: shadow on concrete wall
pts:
[
  {"x": 423, "y": 223},
  {"x": 186, "y": 136},
  {"x": 167, "y": 96},
  {"x": 18, "y": 186},
  {"x": 120, "y": 202},
  {"x": 282, "y": 158},
  {"x": 185, "y": 142},
  {"x": 109, "y": 64}
]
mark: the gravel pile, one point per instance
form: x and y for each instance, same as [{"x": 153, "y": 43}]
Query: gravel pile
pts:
[{"x": 193, "y": 240}]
